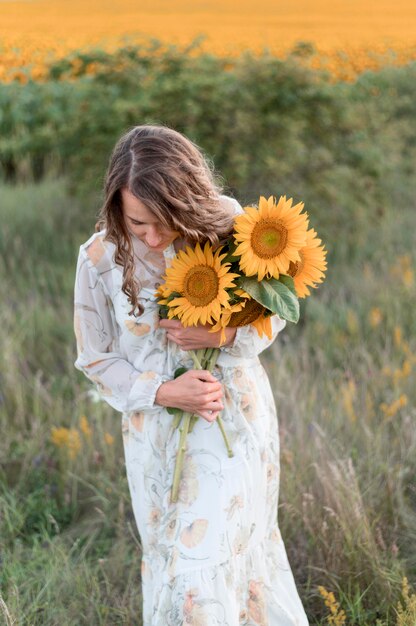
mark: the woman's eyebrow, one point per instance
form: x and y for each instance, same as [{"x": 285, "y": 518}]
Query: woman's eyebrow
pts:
[{"x": 134, "y": 219}]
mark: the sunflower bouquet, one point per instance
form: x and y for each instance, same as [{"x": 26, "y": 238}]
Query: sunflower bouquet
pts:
[{"x": 269, "y": 261}]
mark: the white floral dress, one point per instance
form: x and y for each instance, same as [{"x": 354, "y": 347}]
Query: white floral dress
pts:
[{"x": 216, "y": 556}]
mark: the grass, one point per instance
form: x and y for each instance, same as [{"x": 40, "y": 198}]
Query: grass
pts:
[{"x": 69, "y": 548}]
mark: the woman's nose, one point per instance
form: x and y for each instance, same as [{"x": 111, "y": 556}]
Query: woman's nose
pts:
[{"x": 153, "y": 238}]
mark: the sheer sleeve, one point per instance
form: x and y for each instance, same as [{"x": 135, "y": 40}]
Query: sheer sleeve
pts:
[
  {"x": 119, "y": 383},
  {"x": 247, "y": 342}
]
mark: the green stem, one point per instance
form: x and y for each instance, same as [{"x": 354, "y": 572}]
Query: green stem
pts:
[
  {"x": 213, "y": 357},
  {"x": 192, "y": 423},
  {"x": 208, "y": 356},
  {"x": 203, "y": 359},
  {"x": 211, "y": 364},
  {"x": 197, "y": 362},
  {"x": 180, "y": 457},
  {"x": 221, "y": 425},
  {"x": 200, "y": 353},
  {"x": 177, "y": 419}
]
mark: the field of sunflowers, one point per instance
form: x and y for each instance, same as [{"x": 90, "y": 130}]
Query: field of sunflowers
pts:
[{"x": 346, "y": 39}]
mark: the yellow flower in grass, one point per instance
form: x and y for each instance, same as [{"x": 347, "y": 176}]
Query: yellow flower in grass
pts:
[
  {"x": 270, "y": 237},
  {"x": 336, "y": 616},
  {"x": 309, "y": 270},
  {"x": 109, "y": 439},
  {"x": 67, "y": 438},
  {"x": 85, "y": 427},
  {"x": 59, "y": 436},
  {"x": 375, "y": 316},
  {"x": 201, "y": 279}
]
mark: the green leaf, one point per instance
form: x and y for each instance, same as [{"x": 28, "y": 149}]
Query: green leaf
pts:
[
  {"x": 289, "y": 282},
  {"x": 174, "y": 411},
  {"x": 163, "y": 311},
  {"x": 180, "y": 371},
  {"x": 230, "y": 249},
  {"x": 273, "y": 295},
  {"x": 230, "y": 258}
]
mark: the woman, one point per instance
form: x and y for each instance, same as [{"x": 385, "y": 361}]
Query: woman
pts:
[{"x": 214, "y": 557}]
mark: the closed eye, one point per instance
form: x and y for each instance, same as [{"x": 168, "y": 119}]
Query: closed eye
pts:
[{"x": 136, "y": 222}]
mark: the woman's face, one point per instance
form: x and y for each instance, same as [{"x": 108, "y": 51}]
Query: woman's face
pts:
[{"x": 143, "y": 224}]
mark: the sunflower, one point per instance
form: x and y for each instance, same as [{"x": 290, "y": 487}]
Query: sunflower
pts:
[
  {"x": 263, "y": 325},
  {"x": 224, "y": 320},
  {"x": 311, "y": 267},
  {"x": 243, "y": 313},
  {"x": 161, "y": 294},
  {"x": 270, "y": 237},
  {"x": 201, "y": 280}
]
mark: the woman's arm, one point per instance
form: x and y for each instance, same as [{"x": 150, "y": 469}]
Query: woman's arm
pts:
[
  {"x": 247, "y": 342},
  {"x": 195, "y": 337},
  {"x": 243, "y": 341},
  {"x": 121, "y": 385}
]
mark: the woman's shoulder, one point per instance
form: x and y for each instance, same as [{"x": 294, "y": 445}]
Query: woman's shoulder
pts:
[
  {"x": 232, "y": 202},
  {"x": 98, "y": 251}
]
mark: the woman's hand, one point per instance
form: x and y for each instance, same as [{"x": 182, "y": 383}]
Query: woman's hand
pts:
[
  {"x": 195, "y": 391},
  {"x": 195, "y": 337}
]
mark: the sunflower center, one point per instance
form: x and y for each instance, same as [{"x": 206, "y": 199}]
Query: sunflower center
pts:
[
  {"x": 296, "y": 267},
  {"x": 269, "y": 238},
  {"x": 249, "y": 314},
  {"x": 201, "y": 285}
]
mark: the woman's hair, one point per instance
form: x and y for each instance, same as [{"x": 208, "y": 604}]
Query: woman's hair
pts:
[{"x": 175, "y": 180}]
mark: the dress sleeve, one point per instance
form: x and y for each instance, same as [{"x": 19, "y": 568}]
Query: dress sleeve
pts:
[
  {"x": 119, "y": 383},
  {"x": 247, "y": 342}
]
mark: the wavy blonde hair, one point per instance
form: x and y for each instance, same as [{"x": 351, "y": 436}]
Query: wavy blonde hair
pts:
[{"x": 176, "y": 181}]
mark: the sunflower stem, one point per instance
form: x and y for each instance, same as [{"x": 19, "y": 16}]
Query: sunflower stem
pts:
[
  {"x": 177, "y": 419},
  {"x": 207, "y": 357},
  {"x": 213, "y": 357},
  {"x": 221, "y": 425},
  {"x": 203, "y": 359},
  {"x": 202, "y": 356},
  {"x": 197, "y": 362},
  {"x": 192, "y": 423},
  {"x": 180, "y": 457}
]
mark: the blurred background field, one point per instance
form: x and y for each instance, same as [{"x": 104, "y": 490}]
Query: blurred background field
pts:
[
  {"x": 343, "y": 377},
  {"x": 349, "y": 37}
]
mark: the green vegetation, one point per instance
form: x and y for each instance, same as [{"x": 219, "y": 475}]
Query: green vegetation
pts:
[{"x": 342, "y": 376}]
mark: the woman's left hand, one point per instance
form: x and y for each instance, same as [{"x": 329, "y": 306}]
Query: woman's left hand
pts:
[{"x": 195, "y": 337}]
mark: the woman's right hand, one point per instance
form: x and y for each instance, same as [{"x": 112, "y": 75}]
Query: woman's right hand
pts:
[{"x": 195, "y": 391}]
